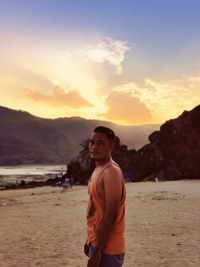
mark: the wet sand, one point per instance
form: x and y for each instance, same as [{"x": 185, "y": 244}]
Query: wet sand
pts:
[{"x": 46, "y": 227}]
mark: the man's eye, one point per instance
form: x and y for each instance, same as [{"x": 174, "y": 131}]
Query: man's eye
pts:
[{"x": 101, "y": 143}]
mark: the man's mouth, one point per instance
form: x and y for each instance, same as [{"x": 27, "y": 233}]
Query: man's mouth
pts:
[{"x": 94, "y": 153}]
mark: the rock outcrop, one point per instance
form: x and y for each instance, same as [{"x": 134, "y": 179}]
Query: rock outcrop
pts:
[
  {"x": 82, "y": 166},
  {"x": 23, "y": 184},
  {"x": 173, "y": 151}
]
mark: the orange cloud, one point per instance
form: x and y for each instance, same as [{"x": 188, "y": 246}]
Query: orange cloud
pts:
[
  {"x": 123, "y": 108},
  {"x": 58, "y": 98}
]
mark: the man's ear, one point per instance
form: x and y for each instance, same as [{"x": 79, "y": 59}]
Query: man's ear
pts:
[{"x": 112, "y": 144}]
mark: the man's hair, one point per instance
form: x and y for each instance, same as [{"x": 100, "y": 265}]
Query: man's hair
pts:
[{"x": 107, "y": 131}]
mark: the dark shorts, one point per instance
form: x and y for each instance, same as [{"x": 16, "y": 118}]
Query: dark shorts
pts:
[{"x": 109, "y": 260}]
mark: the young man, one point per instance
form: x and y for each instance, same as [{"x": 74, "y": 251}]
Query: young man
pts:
[{"x": 105, "y": 244}]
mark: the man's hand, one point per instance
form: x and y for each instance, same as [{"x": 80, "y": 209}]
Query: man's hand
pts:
[
  {"x": 86, "y": 249},
  {"x": 95, "y": 259}
]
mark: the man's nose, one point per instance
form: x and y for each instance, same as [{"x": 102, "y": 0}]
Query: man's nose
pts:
[{"x": 94, "y": 146}]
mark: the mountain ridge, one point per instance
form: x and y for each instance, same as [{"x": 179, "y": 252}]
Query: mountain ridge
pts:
[{"x": 28, "y": 139}]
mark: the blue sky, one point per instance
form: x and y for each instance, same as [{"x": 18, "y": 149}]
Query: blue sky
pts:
[{"x": 135, "y": 49}]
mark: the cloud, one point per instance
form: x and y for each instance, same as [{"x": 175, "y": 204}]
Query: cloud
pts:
[
  {"x": 58, "y": 98},
  {"x": 194, "y": 79},
  {"x": 75, "y": 66},
  {"x": 164, "y": 100},
  {"x": 124, "y": 108},
  {"x": 108, "y": 50}
]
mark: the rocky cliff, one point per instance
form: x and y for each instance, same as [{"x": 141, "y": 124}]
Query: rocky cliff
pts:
[{"x": 173, "y": 151}]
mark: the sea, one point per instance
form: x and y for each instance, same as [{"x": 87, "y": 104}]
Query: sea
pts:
[
  {"x": 15, "y": 174},
  {"x": 24, "y": 170}
]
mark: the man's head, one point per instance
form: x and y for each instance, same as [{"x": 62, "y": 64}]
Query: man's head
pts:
[{"x": 102, "y": 143}]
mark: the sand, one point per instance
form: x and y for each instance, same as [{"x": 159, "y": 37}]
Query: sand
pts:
[{"x": 45, "y": 227}]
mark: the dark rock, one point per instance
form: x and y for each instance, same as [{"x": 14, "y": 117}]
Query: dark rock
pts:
[
  {"x": 32, "y": 184},
  {"x": 82, "y": 166},
  {"x": 173, "y": 152}
]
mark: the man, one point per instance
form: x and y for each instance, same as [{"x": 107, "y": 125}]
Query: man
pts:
[{"x": 105, "y": 244}]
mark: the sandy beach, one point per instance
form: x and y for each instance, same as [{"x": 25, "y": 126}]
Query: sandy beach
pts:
[{"x": 46, "y": 227}]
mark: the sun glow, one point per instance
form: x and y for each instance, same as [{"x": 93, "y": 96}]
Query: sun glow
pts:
[{"x": 78, "y": 81}]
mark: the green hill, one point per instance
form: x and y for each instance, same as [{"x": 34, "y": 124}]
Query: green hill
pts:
[{"x": 27, "y": 139}]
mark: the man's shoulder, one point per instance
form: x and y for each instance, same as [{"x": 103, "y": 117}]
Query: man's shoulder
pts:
[{"x": 113, "y": 168}]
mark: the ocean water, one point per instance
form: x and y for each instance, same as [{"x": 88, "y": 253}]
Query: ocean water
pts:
[{"x": 24, "y": 170}]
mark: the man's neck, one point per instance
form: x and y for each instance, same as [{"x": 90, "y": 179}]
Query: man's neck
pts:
[{"x": 99, "y": 163}]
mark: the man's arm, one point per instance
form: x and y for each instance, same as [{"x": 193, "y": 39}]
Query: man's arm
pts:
[
  {"x": 113, "y": 189},
  {"x": 86, "y": 248}
]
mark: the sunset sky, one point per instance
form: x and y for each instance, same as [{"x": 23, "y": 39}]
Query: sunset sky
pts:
[{"x": 130, "y": 62}]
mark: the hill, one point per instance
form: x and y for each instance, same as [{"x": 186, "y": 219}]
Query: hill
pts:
[{"x": 27, "y": 139}]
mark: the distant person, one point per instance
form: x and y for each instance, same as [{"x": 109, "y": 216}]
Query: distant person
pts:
[
  {"x": 66, "y": 183},
  {"x": 105, "y": 244},
  {"x": 71, "y": 181}
]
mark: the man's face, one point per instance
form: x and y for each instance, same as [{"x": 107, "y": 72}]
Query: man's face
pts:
[{"x": 100, "y": 147}]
